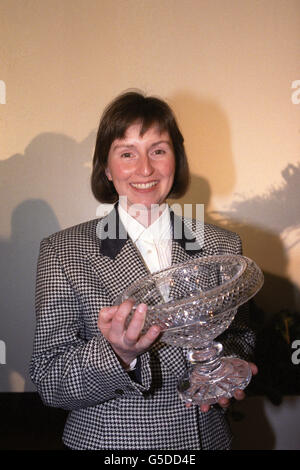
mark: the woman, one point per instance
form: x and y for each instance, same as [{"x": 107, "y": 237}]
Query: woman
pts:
[{"x": 120, "y": 385}]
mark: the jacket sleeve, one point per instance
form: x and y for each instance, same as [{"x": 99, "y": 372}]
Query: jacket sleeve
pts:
[
  {"x": 240, "y": 339},
  {"x": 69, "y": 371}
]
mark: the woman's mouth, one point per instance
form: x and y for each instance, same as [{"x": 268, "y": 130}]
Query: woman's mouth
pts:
[{"x": 149, "y": 185}]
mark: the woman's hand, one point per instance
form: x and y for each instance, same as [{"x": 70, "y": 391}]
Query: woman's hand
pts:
[
  {"x": 225, "y": 402},
  {"x": 127, "y": 343}
]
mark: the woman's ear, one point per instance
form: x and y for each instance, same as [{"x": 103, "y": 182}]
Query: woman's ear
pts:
[{"x": 108, "y": 174}]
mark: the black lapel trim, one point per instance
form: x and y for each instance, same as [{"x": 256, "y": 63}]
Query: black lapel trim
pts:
[
  {"x": 183, "y": 235},
  {"x": 111, "y": 224}
]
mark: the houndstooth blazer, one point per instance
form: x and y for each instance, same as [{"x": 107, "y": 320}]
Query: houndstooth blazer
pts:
[{"x": 74, "y": 367}]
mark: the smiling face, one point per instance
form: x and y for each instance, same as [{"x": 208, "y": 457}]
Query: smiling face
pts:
[{"x": 142, "y": 167}]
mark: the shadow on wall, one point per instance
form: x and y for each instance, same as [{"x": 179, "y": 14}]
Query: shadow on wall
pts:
[
  {"x": 32, "y": 220},
  {"x": 41, "y": 192},
  {"x": 262, "y": 240},
  {"x": 206, "y": 130},
  {"x": 279, "y": 211},
  {"x": 276, "y": 309}
]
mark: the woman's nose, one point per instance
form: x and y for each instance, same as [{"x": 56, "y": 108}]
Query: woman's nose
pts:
[{"x": 145, "y": 167}]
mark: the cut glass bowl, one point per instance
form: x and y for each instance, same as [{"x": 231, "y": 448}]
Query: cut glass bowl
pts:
[{"x": 193, "y": 303}]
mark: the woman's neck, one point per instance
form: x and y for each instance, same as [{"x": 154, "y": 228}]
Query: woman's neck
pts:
[{"x": 144, "y": 215}]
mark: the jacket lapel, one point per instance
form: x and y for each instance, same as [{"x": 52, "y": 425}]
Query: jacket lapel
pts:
[
  {"x": 188, "y": 239},
  {"x": 115, "y": 260}
]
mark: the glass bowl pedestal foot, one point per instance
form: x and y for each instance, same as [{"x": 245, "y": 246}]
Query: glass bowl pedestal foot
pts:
[{"x": 211, "y": 376}]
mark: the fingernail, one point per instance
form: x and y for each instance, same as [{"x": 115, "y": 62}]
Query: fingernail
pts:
[
  {"x": 155, "y": 330},
  {"x": 142, "y": 308}
]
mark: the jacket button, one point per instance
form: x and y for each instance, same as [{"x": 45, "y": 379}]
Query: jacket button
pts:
[{"x": 118, "y": 391}]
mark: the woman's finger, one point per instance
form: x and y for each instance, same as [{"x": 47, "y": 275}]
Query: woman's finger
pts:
[
  {"x": 148, "y": 338},
  {"x": 224, "y": 402},
  {"x": 136, "y": 325},
  {"x": 254, "y": 368},
  {"x": 119, "y": 319},
  {"x": 105, "y": 316},
  {"x": 204, "y": 408},
  {"x": 239, "y": 394}
]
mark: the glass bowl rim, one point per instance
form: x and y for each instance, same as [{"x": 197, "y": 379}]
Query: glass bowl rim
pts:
[{"x": 210, "y": 293}]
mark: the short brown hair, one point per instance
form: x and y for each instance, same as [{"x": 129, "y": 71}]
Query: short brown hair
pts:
[{"x": 125, "y": 110}]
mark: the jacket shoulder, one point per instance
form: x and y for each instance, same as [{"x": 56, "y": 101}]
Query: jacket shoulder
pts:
[
  {"x": 222, "y": 239},
  {"x": 72, "y": 238},
  {"x": 211, "y": 239}
]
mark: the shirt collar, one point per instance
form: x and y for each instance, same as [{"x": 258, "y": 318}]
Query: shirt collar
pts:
[{"x": 158, "y": 230}]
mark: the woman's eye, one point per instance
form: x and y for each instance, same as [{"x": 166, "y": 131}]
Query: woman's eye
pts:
[
  {"x": 126, "y": 155},
  {"x": 159, "y": 151}
]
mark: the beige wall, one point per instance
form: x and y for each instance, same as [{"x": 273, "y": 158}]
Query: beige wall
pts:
[{"x": 226, "y": 67}]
